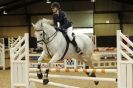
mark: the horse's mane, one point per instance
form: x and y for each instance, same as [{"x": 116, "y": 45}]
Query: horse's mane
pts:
[{"x": 44, "y": 22}]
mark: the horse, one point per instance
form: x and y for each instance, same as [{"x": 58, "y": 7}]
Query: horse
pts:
[{"x": 54, "y": 44}]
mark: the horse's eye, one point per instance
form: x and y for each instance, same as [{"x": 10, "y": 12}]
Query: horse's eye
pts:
[{"x": 40, "y": 34}]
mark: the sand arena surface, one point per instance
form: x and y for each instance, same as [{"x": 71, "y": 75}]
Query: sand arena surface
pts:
[{"x": 5, "y": 81}]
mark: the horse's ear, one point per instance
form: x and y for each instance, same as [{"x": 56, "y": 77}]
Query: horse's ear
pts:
[{"x": 33, "y": 25}]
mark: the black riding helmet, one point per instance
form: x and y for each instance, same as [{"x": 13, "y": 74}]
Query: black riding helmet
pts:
[{"x": 55, "y": 5}]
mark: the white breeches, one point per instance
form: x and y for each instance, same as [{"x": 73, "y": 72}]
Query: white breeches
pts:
[{"x": 69, "y": 33}]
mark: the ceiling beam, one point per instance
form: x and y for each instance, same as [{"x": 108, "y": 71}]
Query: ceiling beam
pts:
[
  {"x": 9, "y": 2},
  {"x": 25, "y": 3},
  {"x": 19, "y": 5}
]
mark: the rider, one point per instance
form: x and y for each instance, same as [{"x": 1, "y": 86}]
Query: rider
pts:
[{"x": 62, "y": 23}]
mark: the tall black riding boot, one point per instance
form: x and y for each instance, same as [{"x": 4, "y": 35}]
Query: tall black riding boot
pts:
[{"x": 78, "y": 50}]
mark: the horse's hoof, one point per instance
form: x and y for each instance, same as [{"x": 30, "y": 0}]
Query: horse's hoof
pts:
[
  {"x": 39, "y": 66},
  {"x": 47, "y": 71},
  {"x": 96, "y": 82},
  {"x": 45, "y": 81},
  {"x": 93, "y": 75},
  {"x": 81, "y": 53},
  {"x": 116, "y": 80},
  {"x": 87, "y": 73},
  {"x": 40, "y": 76}
]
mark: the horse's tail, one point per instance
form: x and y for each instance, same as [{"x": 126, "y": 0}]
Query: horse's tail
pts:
[{"x": 95, "y": 57}]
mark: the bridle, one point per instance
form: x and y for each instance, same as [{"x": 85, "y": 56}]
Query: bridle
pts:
[{"x": 46, "y": 39}]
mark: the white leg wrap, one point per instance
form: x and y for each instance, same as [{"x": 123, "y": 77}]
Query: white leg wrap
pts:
[{"x": 41, "y": 57}]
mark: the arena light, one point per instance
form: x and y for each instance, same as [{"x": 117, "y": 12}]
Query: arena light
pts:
[
  {"x": 4, "y": 12},
  {"x": 107, "y": 21},
  {"x": 93, "y": 0},
  {"x": 1, "y": 7},
  {"x": 48, "y": 1}
]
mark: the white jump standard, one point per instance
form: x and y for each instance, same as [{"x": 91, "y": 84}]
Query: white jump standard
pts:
[
  {"x": 125, "y": 67},
  {"x": 20, "y": 63},
  {"x": 2, "y": 54}
]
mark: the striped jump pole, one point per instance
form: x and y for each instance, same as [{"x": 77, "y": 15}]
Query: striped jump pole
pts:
[
  {"x": 52, "y": 83},
  {"x": 77, "y": 70},
  {"x": 78, "y": 77}
]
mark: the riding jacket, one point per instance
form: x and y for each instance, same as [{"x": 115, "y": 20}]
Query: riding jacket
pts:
[{"x": 62, "y": 19}]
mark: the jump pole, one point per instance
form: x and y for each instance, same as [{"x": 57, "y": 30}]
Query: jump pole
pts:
[
  {"x": 52, "y": 83},
  {"x": 78, "y": 70},
  {"x": 77, "y": 77}
]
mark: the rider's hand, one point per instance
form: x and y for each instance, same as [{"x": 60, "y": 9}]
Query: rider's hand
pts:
[{"x": 58, "y": 29}]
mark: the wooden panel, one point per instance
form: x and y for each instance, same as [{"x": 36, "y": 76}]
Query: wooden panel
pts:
[
  {"x": 12, "y": 20},
  {"x": 13, "y": 31},
  {"x": 102, "y": 18},
  {"x": 106, "y": 29},
  {"x": 81, "y": 18},
  {"x": 128, "y": 29}
]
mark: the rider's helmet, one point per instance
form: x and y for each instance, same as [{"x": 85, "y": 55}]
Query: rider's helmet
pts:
[{"x": 55, "y": 5}]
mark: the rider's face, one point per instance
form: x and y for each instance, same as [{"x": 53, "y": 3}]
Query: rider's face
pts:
[{"x": 54, "y": 10}]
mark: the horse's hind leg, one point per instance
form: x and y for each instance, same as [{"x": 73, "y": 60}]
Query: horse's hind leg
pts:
[{"x": 90, "y": 74}]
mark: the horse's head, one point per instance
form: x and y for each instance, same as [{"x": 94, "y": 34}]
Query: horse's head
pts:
[{"x": 42, "y": 28}]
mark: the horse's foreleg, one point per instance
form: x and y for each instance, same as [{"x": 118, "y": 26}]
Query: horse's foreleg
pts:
[
  {"x": 39, "y": 72},
  {"x": 54, "y": 59},
  {"x": 42, "y": 57}
]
